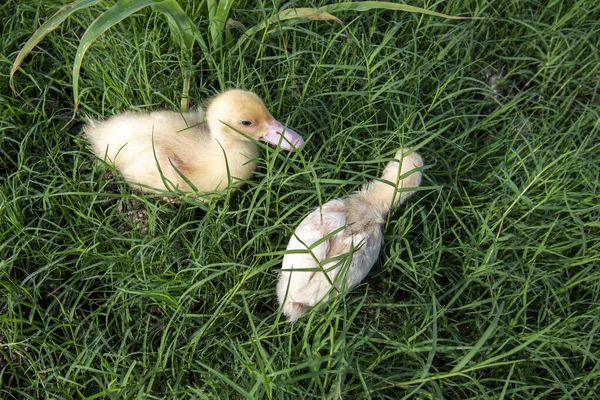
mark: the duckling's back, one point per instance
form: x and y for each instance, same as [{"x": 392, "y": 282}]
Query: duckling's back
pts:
[
  {"x": 127, "y": 134},
  {"x": 136, "y": 142}
]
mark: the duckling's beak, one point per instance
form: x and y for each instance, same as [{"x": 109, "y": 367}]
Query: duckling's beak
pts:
[{"x": 278, "y": 135}]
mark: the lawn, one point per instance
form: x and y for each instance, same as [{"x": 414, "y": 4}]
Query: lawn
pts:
[{"x": 488, "y": 284}]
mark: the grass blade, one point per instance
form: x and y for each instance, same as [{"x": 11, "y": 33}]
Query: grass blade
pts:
[
  {"x": 486, "y": 335},
  {"x": 183, "y": 28},
  {"x": 121, "y": 10},
  {"x": 325, "y": 13},
  {"x": 47, "y": 27},
  {"x": 301, "y": 14},
  {"x": 385, "y": 5},
  {"x": 218, "y": 20}
]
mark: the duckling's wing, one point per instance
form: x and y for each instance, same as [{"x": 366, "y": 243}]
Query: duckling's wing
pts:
[
  {"x": 358, "y": 252},
  {"x": 303, "y": 279}
]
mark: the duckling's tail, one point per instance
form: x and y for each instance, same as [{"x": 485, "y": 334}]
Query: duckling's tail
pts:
[
  {"x": 294, "y": 310},
  {"x": 398, "y": 181}
]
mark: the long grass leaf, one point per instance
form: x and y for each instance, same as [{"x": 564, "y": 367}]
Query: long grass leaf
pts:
[
  {"x": 218, "y": 21},
  {"x": 385, "y": 5},
  {"x": 326, "y": 13},
  {"x": 183, "y": 28},
  {"x": 230, "y": 383},
  {"x": 50, "y": 25},
  {"x": 121, "y": 10},
  {"x": 301, "y": 14},
  {"x": 486, "y": 335},
  {"x": 181, "y": 24}
]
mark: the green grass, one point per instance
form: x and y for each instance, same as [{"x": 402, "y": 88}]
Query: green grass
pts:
[{"x": 488, "y": 285}]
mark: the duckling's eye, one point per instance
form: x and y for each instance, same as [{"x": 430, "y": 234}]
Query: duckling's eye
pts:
[{"x": 247, "y": 123}]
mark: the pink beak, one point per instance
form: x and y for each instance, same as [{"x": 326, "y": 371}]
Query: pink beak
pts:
[{"x": 278, "y": 135}]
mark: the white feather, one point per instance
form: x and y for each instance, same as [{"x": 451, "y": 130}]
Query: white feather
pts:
[{"x": 335, "y": 246}]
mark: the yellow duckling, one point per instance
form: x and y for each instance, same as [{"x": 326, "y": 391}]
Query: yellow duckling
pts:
[
  {"x": 162, "y": 150},
  {"x": 340, "y": 241}
]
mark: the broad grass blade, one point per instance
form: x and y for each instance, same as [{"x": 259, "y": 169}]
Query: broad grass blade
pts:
[
  {"x": 47, "y": 27},
  {"x": 306, "y": 14},
  {"x": 183, "y": 27},
  {"x": 386, "y": 5},
  {"x": 219, "y": 14},
  {"x": 121, "y": 10},
  {"x": 325, "y": 13}
]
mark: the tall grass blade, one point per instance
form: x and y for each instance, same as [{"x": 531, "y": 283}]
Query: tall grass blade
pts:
[
  {"x": 51, "y": 24},
  {"x": 298, "y": 14},
  {"x": 326, "y": 13},
  {"x": 183, "y": 28},
  {"x": 219, "y": 15},
  {"x": 383, "y": 5},
  {"x": 117, "y": 13}
]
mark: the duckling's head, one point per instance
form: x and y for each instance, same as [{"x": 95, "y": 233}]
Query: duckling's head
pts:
[{"x": 236, "y": 111}]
